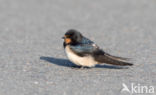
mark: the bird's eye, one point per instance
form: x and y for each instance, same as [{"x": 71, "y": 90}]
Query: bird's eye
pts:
[{"x": 67, "y": 36}]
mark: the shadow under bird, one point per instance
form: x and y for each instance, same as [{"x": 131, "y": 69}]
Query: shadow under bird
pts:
[{"x": 85, "y": 53}]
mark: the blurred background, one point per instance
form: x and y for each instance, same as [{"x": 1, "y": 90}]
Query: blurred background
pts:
[{"x": 31, "y": 29}]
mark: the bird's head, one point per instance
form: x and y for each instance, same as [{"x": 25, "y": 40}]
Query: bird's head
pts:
[{"x": 72, "y": 37}]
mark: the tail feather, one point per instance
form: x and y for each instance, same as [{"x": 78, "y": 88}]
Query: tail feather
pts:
[
  {"x": 119, "y": 58},
  {"x": 109, "y": 59}
]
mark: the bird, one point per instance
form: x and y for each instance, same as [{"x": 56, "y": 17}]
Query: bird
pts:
[{"x": 85, "y": 53}]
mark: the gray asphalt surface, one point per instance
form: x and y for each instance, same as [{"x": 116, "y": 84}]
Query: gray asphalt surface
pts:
[{"x": 32, "y": 59}]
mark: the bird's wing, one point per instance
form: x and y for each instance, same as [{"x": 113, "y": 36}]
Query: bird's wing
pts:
[
  {"x": 119, "y": 58},
  {"x": 86, "y": 41},
  {"x": 109, "y": 59},
  {"x": 98, "y": 54},
  {"x": 86, "y": 49}
]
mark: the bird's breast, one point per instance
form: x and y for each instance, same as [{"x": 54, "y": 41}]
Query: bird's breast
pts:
[{"x": 78, "y": 60}]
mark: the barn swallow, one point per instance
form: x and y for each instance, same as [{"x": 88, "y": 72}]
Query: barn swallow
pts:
[{"x": 85, "y": 53}]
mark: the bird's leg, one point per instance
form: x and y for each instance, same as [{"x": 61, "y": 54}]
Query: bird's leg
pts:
[
  {"x": 80, "y": 67},
  {"x": 84, "y": 67},
  {"x": 76, "y": 67}
]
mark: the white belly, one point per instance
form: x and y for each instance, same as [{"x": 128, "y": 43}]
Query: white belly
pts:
[{"x": 81, "y": 61}]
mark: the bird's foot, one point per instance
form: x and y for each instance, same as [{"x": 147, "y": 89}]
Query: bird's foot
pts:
[
  {"x": 84, "y": 67},
  {"x": 80, "y": 67},
  {"x": 76, "y": 67}
]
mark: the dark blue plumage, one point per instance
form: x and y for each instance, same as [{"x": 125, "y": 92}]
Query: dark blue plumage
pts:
[
  {"x": 86, "y": 41},
  {"x": 85, "y": 52}
]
